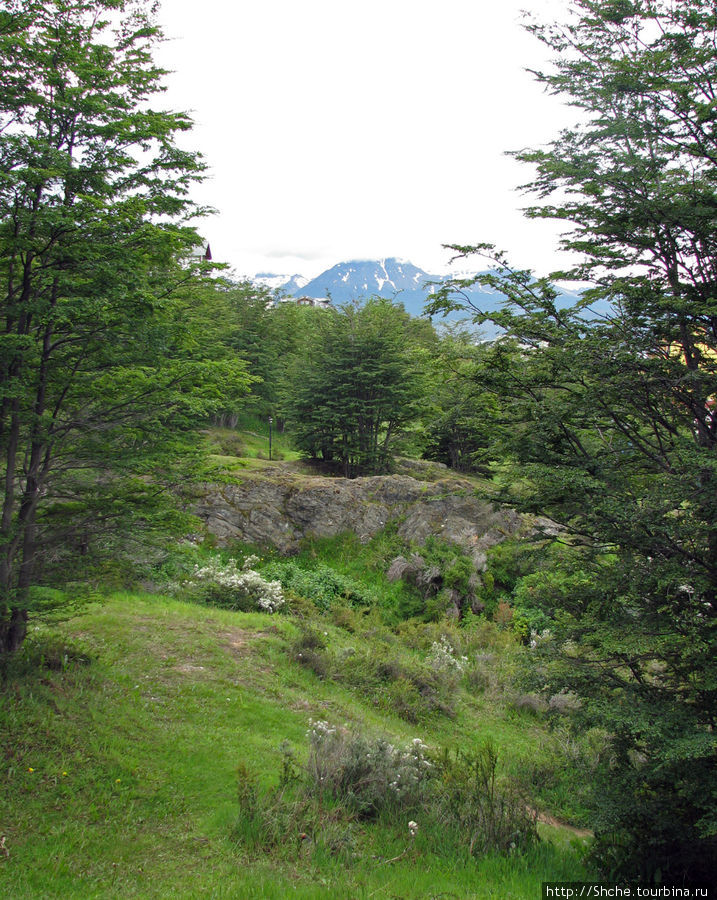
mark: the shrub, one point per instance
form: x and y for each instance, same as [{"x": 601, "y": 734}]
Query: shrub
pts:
[
  {"x": 443, "y": 577},
  {"x": 42, "y": 650},
  {"x": 453, "y": 797},
  {"x": 344, "y": 617},
  {"x": 228, "y": 443},
  {"x": 479, "y": 674},
  {"x": 406, "y": 701},
  {"x": 480, "y": 635},
  {"x": 309, "y": 650},
  {"x": 368, "y": 776},
  {"x": 412, "y": 690},
  {"x": 499, "y": 674},
  {"x": 564, "y": 702},
  {"x": 503, "y": 615},
  {"x": 486, "y": 817},
  {"x": 442, "y": 658},
  {"x": 224, "y": 584},
  {"x": 300, "y": 607},
  {"x": 322, "y": 585},
  {"x": 440, "y": 606},
  {"x": 531, "y": 702},
  {"x": 536, "y": 596}
]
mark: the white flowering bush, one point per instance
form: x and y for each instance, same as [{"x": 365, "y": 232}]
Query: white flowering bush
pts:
[
  {"x": 454, "y": 794},
  {"x": 442, "y": 657},
  {"x": 538, "y": 638},
  {"x": 411, "y": 767},
  {"x": 368, "y": 775},
  {"x": 227, "y": 585}
]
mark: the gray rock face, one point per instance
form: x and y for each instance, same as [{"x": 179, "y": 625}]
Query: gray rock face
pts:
[{"x": 279, "y": 508}]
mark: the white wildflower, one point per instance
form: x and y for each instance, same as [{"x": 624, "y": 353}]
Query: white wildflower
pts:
[
  {"x": 442, "y": 657},
  {"x": 247, "y": 584}
]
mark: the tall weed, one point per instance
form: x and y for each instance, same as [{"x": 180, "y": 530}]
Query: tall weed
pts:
[{"x": 454, "y": 799}]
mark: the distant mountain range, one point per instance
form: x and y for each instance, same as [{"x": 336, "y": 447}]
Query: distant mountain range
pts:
[
  {"x": 290, "y": 285},
  {"x": 396, "y": 279}
]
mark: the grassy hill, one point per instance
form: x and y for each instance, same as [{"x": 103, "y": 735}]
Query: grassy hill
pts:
[{"x": 131, "y": 731}]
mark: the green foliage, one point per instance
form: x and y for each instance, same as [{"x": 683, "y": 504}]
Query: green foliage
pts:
[
  {"x": 359, "y": 386},
  {"x": 486, "y": 817},
  {"x": 457, "y": 421},
  {"x": 106, "y": 361},
  {"x": 272, "y": 339},
  {"x": 507, "y": 563},
  {"x": 249, "y": 439},
  {"x": 413, "y": 688},
  {"x": 43, "y": 652},
  {"x": 321, "y": 584},
  {"x": 455, "y": 796},
  {"x": 609, "y": 420},
  {"x": 538, "y": 579},
  {"x": 359, "y": 567},
  {"x": 136, "y": 755},
  {"x": 442, "y": 577},
  {"x": 309, "y": 649}
]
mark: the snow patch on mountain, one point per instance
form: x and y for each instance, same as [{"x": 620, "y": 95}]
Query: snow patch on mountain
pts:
[
  {"x": 287, "y": 283},
  {"x": 395, "y": 279}
]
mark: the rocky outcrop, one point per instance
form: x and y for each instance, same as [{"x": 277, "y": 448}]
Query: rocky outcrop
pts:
[{"x": 279, "y": 507}]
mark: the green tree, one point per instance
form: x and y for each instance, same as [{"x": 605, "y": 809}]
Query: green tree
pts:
[
  {"x": 99, "y": 370},
  {"x": 239, "y": 325},
  {"x": 610, "y": 420},
  {"x": 459, "y": 413},
  {"x": 359, "y": 385},
  {"x": 270, "y": 337}
]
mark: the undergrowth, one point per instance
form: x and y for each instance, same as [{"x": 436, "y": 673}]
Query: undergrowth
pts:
[
  {"x": 452, "y": 799},
  {"x": 123, "y": 727},
  {"x": 122, "y": 730}
]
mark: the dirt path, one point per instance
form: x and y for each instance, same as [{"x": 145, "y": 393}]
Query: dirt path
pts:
[{"x": 546, "y": 819}]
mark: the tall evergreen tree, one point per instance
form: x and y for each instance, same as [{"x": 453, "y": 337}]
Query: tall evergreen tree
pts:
[
  {"x": 97, "y": 376},
  {"x": 359, "y": 386},
  {"x": 611, "y": 420}
]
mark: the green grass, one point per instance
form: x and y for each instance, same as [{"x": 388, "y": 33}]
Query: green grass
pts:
[
  {"x": 119, "y": 774},
  {"x": 250, "y": 440}
]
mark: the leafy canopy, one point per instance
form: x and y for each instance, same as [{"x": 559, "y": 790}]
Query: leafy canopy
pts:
[
  {"x": 101, "y": 370},
  {"x": 359, "y": 386},
  {"x": 609, "y": 421}
]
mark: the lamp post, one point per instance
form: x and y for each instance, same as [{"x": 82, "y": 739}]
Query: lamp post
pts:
[{"x": 270, "y": 424}]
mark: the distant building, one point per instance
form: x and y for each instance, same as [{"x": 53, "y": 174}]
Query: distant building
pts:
[
  {"x": 323, "y": 303},
  {"x": 313, "y": 301},
  {"x": 202, "y": 252}
]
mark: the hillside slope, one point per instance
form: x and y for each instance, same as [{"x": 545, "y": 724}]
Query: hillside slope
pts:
[{"x": 120, "y": 774}]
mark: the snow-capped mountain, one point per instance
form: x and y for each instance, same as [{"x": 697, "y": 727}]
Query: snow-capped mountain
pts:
[
  {"x": 358, "y": 279},
  {"x": 287, "y": 284},
  {"x": 369, "y": 278},
  {"x": 393, "y": 278}
]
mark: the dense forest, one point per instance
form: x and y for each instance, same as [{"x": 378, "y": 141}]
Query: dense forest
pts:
[{"x": 123, "y": 353}]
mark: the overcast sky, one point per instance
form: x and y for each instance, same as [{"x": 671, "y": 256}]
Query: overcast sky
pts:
[{"x": 339, "y": 130}]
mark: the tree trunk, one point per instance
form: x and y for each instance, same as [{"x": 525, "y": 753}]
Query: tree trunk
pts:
[{"x": 13, "y": 631}]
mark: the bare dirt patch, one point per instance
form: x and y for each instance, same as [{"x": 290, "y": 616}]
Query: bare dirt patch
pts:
[
  {"x": 238, "y": 639},
  {"x": 241, "y": 645},
  {"x": 546, "y": 819},
  {"x": 189, "y": 669}
]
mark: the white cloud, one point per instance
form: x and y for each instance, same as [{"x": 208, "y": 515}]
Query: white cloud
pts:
[{"x": 338, "y": 130}]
